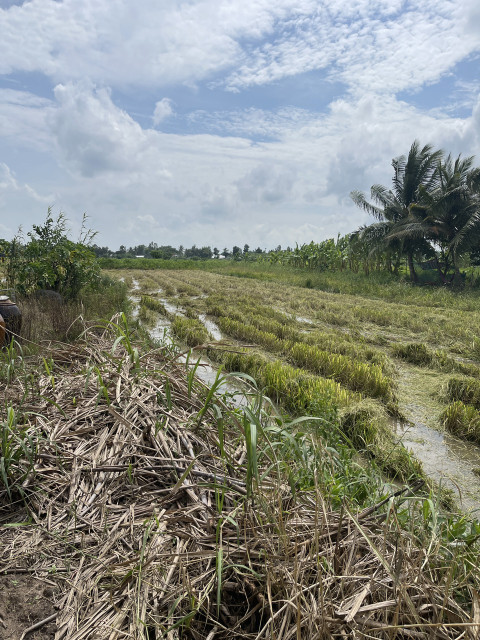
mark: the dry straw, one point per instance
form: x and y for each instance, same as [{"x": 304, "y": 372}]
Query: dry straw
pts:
[{"x": 139, "y": 511}]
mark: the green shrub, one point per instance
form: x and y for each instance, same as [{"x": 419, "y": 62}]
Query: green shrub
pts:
[
  {"x": 50, "y": 260},
  {"x": 414, "y": 352}
]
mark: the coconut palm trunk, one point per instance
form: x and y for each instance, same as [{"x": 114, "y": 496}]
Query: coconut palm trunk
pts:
[{"x": 411, "y": 267}]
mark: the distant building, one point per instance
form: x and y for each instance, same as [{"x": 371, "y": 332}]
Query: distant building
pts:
[{"x": 139, "y": 256}]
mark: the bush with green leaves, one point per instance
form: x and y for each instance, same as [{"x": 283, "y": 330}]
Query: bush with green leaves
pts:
[{"x": 50, "y": 260}]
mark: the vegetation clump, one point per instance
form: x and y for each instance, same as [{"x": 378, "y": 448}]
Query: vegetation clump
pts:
[
  {"x": 51, "y": 261},
  {"x": 190, "y": 331},
  {"x": 365, "y": 424},
  {"x": 414, "y": 352},
  {"x": 154, "y": 305},
  {"x": 462, "y": 420},
  {"x": 465, "y": 389}
]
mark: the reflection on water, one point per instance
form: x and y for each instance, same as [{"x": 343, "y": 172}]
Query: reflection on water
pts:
[
  {"x": 211, "y": 327},
  {"x": 445, "y": 458},
  {"x": 170, "y": 307},
  {"x": 208, "y": 374},
  {"x": 303, "y": 320}
]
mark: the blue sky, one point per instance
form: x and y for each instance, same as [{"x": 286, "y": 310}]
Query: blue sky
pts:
[{"x": 224, "y": 122}]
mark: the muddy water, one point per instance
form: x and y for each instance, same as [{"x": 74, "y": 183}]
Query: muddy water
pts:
[
  {"x": 237, "y": 391},
  {"x": 446, "y": 459},
  {"x": 211, "y": 327}
]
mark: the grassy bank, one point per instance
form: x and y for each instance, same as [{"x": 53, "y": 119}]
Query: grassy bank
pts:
[{"x": 382, "y": 286}]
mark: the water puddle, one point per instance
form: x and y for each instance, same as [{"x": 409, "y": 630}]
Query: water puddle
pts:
[
  {"x": 171, "y": 308},
  {"x": 237, "y": 393},
  {"x": 161, "y": 332},
  {"x": 446, "y": 459},
  {"x": 304, "y": 320},
  {"x": 211, "y": 327}
]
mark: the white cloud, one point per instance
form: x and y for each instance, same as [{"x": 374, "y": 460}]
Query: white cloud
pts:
[
  {"x": 16, "y": 196},
  {"x": 140, "y": 184},
  {"x": 163, "y": 110},
  {"x": 382, "y": 46},
  {"x": 262, "y": 174},
  {"x": 92, "y": 134},
  {"x": 23, "y": 116},
  {"x": 148, "y": 219},
  {"x": 267, "y": 183},
  {"x": 366, "y": 45},
  {"x": 115, "y": 42},
  {"x": 7, "y": 179}
]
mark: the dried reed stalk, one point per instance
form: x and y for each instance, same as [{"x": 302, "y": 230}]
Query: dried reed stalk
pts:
[{"x": 123, "y": 502}]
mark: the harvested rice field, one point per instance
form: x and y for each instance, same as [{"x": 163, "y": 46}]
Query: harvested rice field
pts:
[
  {"x": 393, "y": 365},
  {"x": 227, "y": 464}
]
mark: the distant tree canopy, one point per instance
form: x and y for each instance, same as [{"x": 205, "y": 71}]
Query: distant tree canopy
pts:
[{"x": 164, "y": 253}]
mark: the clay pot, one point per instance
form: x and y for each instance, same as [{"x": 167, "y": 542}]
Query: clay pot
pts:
[
  {"x": 2, "y": 331},
  {"x": 12, "y": 317}
]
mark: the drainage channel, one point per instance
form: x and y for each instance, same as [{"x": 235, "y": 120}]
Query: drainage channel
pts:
[
  {"x": 238, "y": 392},
  {"x": 446, "y": 459}
]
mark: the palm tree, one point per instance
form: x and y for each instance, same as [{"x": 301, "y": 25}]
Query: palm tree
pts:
[
  {"x": 448, "y": 215},
  {"x": 391, "y": 206}
]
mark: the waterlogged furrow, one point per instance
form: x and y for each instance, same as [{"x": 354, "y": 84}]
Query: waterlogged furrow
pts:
[
  {"x": 310, "y": 328},
  {"x": 305, "y": 379}
]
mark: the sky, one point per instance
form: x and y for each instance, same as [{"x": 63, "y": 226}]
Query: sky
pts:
[{"x": 224, "y": 122}]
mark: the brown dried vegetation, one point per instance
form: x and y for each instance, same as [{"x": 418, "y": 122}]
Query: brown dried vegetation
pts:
[{"x": 140, "y": 509}]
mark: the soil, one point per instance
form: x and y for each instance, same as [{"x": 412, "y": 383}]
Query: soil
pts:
[{"x": 24, "y": 601}]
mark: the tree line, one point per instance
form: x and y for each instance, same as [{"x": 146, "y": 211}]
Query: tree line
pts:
[{"x": 167, "y": 252}]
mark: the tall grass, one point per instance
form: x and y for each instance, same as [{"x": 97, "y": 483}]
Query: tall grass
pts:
[
  {"x": 51, "y": 319},
  {"x": 18, "y": 450},
  {"x": 466, "y": 390},
  {"x": 153, "y": 304},
  {"x": 365, "y": 424}
]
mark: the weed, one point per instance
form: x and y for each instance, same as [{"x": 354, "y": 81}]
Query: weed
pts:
[
  {"x": 467, "y": 390},
  {"x": 416, "y": 353},
  {"x": 366, "y": 426},
  {"x": 154, "y": 305},
  {"x": 18, "y": 450}
]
